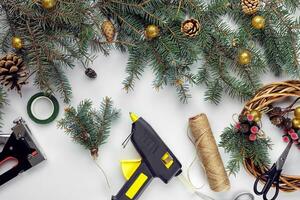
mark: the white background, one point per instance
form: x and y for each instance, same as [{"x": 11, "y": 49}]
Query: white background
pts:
[{"x": 70, "y": 173}]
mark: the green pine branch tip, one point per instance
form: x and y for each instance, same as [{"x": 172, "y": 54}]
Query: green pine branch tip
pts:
[
  {"x": 88, "y": 126},
  {"x": 241, "y": 148}
]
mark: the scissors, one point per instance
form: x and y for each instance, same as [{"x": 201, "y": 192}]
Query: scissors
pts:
[{"x": 273, "y": 175}]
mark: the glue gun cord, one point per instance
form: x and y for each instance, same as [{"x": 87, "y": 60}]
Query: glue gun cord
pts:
[{"x": 105, "y": 176}]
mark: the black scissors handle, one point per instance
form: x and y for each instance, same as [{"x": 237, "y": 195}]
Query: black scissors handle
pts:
[{"x": 272, "y": 178}]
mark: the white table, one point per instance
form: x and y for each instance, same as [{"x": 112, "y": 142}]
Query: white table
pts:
[{"x": 69, "y": 172}]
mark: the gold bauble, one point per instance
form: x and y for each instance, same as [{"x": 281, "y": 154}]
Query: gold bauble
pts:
[
  {"x": 244, "y": 57},
  {"x": 17, "y": 42},
  {"x": 296, "y": 123},
  {"x": 152, "y": 31},
  {"x": 256, "y": 115},
  {"x": 297, "y": 112},
  {"x": 49, "y": 4},
  {"x": 258, "y": 22}
]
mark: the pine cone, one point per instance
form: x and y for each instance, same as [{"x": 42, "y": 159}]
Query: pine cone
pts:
[
  {"x": 84, "y": 136},
  {"x": 276, "y": 111},
  {"x": 277, "y": 120},
  {"x": 245, "y": 129},
  {"x": 108, "y": 30},
  {"x": 288, "y": 123},
  {"x": 13, "y": 72},
  {"x": 90, "y": 73},
  {"x": 250, "y": 7},
  {"x": 190, "y": 27},
  {"x": 243, "y": 118}
]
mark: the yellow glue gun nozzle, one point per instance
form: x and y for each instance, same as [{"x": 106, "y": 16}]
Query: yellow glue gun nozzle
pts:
[{"x": 133, "y": 117}]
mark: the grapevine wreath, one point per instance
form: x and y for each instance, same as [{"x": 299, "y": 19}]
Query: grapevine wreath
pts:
[{"x": 249, "y": 145}]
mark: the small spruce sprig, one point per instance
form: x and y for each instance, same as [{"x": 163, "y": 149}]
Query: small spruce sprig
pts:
[
  {"x": 88, "y": 126},
  {"x": 241, "y": 148}
]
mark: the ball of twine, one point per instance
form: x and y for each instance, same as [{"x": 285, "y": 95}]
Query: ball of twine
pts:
[{"x": 264, "y": 97}]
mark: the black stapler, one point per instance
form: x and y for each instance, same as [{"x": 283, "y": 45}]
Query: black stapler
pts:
[
  {"x": 157, "y": 161},
  {"x": 21, "y": 147}
]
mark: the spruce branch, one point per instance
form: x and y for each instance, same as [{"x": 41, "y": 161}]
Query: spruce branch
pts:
[
  {"x": 55, "y": 38},
  {"x": 87, "y": 126},
  {"x": 52, "y": 38},
  {"x": 240, "y": 148}
]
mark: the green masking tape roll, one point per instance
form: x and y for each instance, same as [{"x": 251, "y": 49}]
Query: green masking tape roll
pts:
[{"x": 34, "y": 99}]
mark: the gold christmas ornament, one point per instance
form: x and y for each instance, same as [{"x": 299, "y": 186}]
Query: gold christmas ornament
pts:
[
  {"x": 244, "y": 57},
  {"x": 13, "y": 73},
  {"x": 256, "y": 115},
  {"x": 17, "y": 42},
  {"x": 250, "y": 7},
  {"x": 152, "y": 31},
  {"x": 108, "y": 30},
  {"x": 297, "y": 112},
  {"x": 49, "y": 4},
  {"x": 296, "y": 123},
  {"x": 191, "y": 27},
  {"x": 258, "y": 22}
]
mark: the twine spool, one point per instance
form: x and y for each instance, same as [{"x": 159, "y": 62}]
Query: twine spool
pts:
[{"x": 208, "y": 153}]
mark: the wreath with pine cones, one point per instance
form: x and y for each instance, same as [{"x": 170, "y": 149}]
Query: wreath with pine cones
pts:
[{"x": 249, "y": 145}]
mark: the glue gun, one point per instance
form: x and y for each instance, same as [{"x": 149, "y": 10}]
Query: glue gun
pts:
[{"x": 157, "y": 161}]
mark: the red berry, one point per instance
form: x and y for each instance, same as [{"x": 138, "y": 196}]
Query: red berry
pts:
[
  {"x": 286, "y": 139},
  {"x": 290, "y": 132},
  {"x": 254, "y": 129},
  {"x": 250, "y": 117},
  {"x": 252, "y": 137},
  {"x": 238, "y": 126},
  {"x": 294, "y": 136}
]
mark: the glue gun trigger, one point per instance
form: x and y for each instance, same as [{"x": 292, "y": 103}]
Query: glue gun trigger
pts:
[{"x": 129, "y": 167}]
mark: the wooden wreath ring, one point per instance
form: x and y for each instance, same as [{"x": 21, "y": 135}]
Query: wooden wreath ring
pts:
[{"x": 264, "y": 97}]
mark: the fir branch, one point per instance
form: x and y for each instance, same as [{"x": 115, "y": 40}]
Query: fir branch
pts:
[
  {"x": 72, "y": 32},
  {"x": 88, "y": 126},
  {"x": 61, "y": 83},
  {"x": 52, "y": 38},
  {"x": 241, "y": 148},
  {"x": 214, "y": 92},
  {"x": 134, "y": 67}
]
